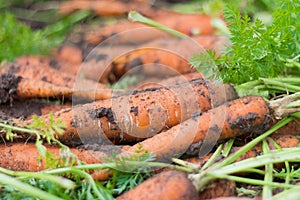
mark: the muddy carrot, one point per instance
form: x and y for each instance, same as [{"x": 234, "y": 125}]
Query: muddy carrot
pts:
[
  {"x": 48, "y": 74},
  {"x": 246, "y": 115},
  {"x": 104, "y": 8},
  {"x": 142, "y": 114},
  {"x": 13, "y": 87},
  {"x": 24, "y": 157},
  {"x": 65, "y": 59},
  {"x": 189, "y": 24},
  {"x": 166, "y": 185},
  {"x": 159, "y": 57}
]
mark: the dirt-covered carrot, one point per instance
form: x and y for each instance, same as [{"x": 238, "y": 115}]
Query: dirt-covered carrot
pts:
[
  {"x": 166, "y": 185},
  {"x": 190, "y": 24},
  {"x": 142, "y": 114},
  {"x": 48, "y": 74},
  {"x": 246, "y": 115},
  {"x": 104, "y": 8},
  {"x": 25, "y": 157},
  {"x": 152, "y": 58},
  {"x": 13, "y": 87},
  {"x": 65, "y": 59}
]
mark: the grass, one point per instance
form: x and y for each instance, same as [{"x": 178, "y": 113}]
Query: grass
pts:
[{"x": 17, "y": 39}]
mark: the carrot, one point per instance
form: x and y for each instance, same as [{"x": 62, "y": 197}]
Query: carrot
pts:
[
  {"x": 166, "y": 185},
  {"x": 190, "y": 24},
  {"x": 53, "y": 107},
  {"x": 12, "y": 87},
  {"x": 143, "y": 113},
  {"x": 218, "y": 188},
  {"x": 24, "y": 157},
  {"x": 27, "y": 88},
  {"x": 103, "y": 8},
  {"x": 65, "y": 59},
  {"x": 48, "y": 74},
  {"x": 169, "y": 56},
  {"x": 246, "y": 115},
  {"x": 292, "y": 128},
  {"x": 70, "y": 54}
]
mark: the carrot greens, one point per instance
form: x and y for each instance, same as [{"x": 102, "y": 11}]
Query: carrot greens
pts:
[{"x": 258, "y": 50}]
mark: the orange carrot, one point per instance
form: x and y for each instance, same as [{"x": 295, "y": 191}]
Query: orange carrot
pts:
[
  {"x": 246, "y": 115},
  {"x": 218, "y": 188},
  {"x": 12, "y": 86},
  {"x": 169, "y": 56},
  {"x": 103, "y": 8},
  {"x": 190, "y": 24},
  {"x": 143, "y": 113},
  {"x": 48, "y": 74},
  {"x": 24, "y": 157},
  {"x": 166, "y": 185}
]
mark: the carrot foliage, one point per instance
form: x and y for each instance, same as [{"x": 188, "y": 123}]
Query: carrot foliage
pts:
[{"x": 258, "y": 50}]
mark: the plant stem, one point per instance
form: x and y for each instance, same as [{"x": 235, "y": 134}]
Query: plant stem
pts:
[
  {"x": 15, "y": 128},
  {"x": 137, "y": 17},
  {"x": 267, "y": 190},
  {"x": 26, "y": 188},
  {"x": 253, "y": 181},
  {"x": 254, "y": 142},
  {"x": 63, "y": 182}
]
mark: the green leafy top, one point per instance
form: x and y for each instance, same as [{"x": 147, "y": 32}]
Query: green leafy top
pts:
[{"x": 258, "y": 50}]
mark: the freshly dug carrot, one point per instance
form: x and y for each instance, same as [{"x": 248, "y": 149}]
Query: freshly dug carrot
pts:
[
  {"x": 65, "y": 59},
  {"x": 48, "y": 74},
  {"x": 143, "y": 113},
  {"x": 219, "y": 188},
  {"x": 12, "y": 87},
  {"x": 166, "y": 185},
  {"x": 24, "y": 157},
  {"x": 103, "y": 8},
  {"x": 190, "y": 24},
  {"x": 292, "y": 128},
  {"x": 250, "y": 114},
  {"x": 169, "y": 56},
  {"x": 70, "y": 54},
  {"x": 53, "y": 107}
]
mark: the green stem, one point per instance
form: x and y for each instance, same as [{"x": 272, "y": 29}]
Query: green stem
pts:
[
  {"x": 252, "y": 181},
  {"x": 293, "y": 193},
  {"x": 91, "y": 181},
  {"x": 267, "y": 190},
  {"x": 63, "y": 182},
  {"x": 137, "y": 17},
  {"x": 283, "y": 86},
  {"x": 251, "y": 144},
  {"x": 213, "y": 158},
  {"x": 290, "y": 154},
  {"x": 26, "y": 188},
  {"x": 25, "y": 130}
]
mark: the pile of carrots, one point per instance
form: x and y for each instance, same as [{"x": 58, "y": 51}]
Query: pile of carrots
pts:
[{"x": 173, "y": 110}]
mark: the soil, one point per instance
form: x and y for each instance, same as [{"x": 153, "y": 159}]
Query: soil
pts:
[
  {"x": 8, "y": 87},
  {"x": 22, "y": 109}
]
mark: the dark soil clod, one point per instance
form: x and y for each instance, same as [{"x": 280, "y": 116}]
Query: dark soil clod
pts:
[{"x": 8, "y": 87}]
